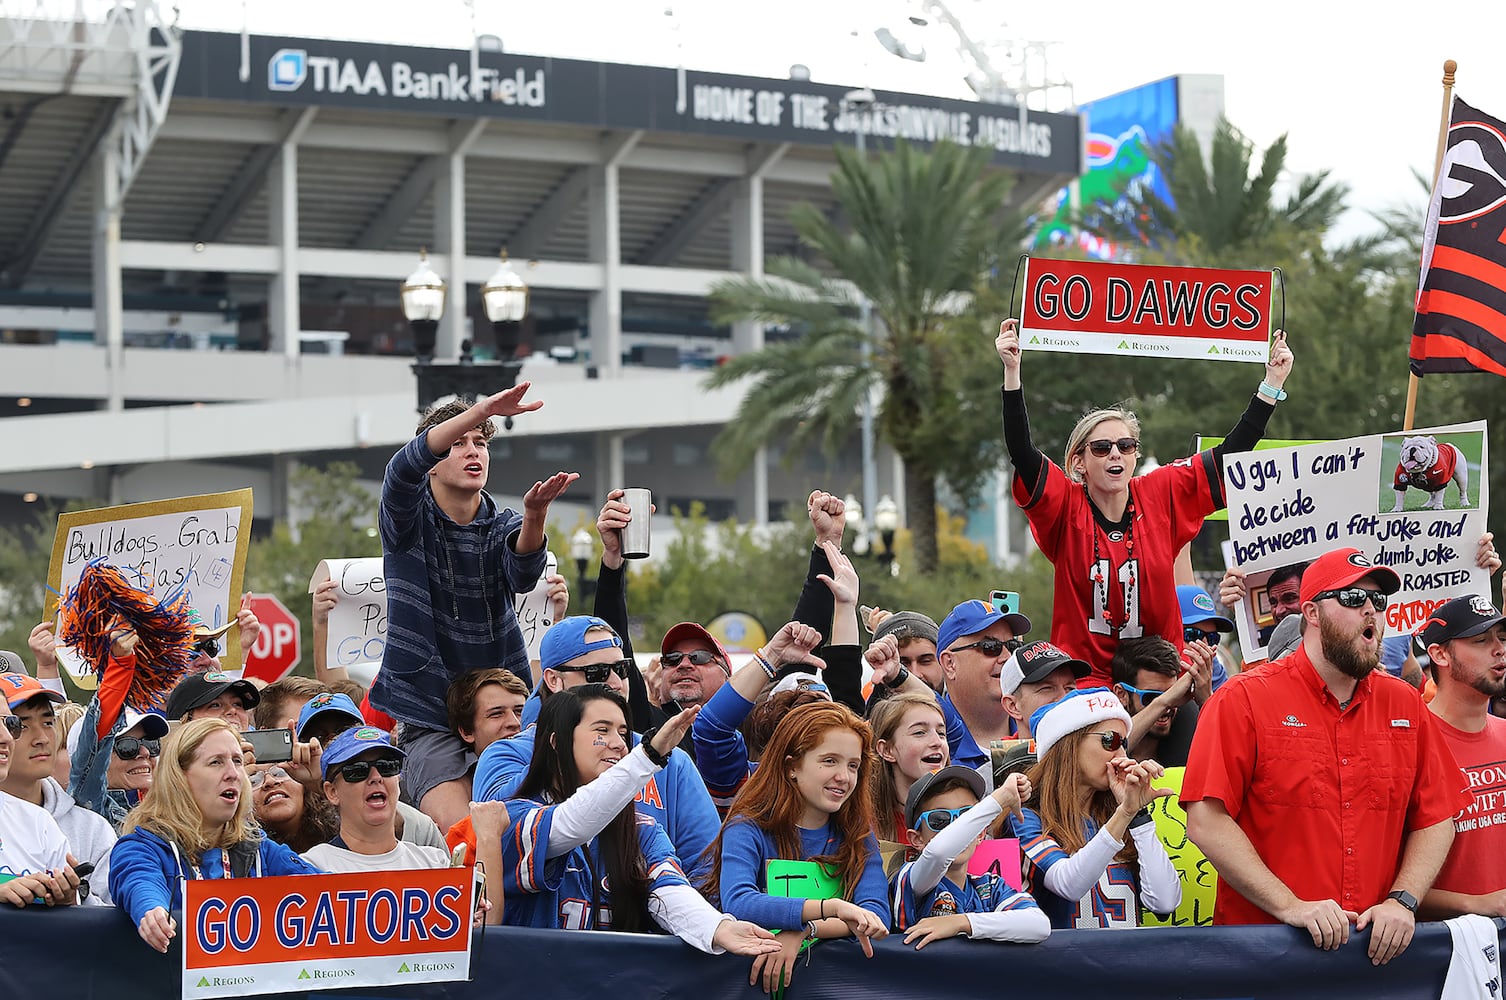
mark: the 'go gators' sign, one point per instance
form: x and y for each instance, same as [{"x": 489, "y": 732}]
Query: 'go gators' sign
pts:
[
  {"x": 301, "y": 933},
  {"x": 1091, "y": 307}
]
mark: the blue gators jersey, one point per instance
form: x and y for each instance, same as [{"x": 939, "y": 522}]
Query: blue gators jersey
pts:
[
  {"x": 1112, "y": 903},
  {"x": 558, "y": 892},
  {"x": 977, "y": 894}
]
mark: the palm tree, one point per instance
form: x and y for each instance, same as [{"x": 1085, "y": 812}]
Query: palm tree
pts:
[
  {"x": 1222, "y": 204},
  {"x": 923, "y": 233}
]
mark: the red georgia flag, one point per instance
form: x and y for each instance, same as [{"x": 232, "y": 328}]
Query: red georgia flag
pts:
[{"x": 1460, "y": 324}]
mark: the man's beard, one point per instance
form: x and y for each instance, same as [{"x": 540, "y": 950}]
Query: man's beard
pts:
[
  {"x": 1485, "y": 684},
  {"x": 1348, "y": 653}
]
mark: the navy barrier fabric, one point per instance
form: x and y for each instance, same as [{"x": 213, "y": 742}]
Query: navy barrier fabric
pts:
[{"x": 95, "y": 954}]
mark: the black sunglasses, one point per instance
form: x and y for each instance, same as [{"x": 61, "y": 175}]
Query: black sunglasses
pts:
[
  {"x": 358, "y": 771},
  {"x": 1192, "y": 633},
  {"x": 129, "y": 747},
  {"x": 207, "y": 647},
  {"x": 989, "y": 646},
  {"x": 1102, "y": 446},
  {"x": 14, "y": 724},
  {"x": 597, "y": 673},
  {"x": 1354, "y": 597},
  {"x": 938, "y": 819},
  {"x": 1111, "y": 741},
  {"x": 699, "y": 657}
]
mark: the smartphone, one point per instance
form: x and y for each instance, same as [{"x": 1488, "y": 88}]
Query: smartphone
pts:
[
  {"x": 1006, "y": 601},
  {"x": 271, "y": 746}
]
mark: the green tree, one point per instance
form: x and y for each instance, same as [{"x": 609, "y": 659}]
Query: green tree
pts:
[
  {"x": 337, "y": 521},
  {"x": 923, "y": 234}
]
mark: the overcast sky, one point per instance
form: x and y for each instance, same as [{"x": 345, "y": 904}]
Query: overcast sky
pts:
[{"x": 1355, "y": 85}]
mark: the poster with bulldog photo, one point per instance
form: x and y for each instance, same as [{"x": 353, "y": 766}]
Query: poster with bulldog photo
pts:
[{"x": 1416, "y": 501}]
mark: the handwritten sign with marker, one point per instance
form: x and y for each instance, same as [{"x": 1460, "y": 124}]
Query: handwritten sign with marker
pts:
[
  {"x": 358, "y": 621},
  {"x": 199, "y": 542},
  {"x": 535, "y": 614},
  {"x": 1415, "y": 501},
  {"x": 1199, "y": 880}
]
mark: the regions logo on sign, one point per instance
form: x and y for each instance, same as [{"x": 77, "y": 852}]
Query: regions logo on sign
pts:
[{"x": 287, "y": 69}]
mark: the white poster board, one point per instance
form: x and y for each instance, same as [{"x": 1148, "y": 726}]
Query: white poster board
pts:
[
  {"x": 1288, "y": 506},
  {"x": 358, "y": 621},
  {"x": 199, "y": 542},
  {"x": 533, "y": 610}
]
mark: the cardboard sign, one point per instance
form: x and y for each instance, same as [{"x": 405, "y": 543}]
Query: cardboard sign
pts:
[
  {"x": 999, "y": 857},
  {"x": 1290, "y": 505},
  {"x": 199, "y": 542},
  {"x": 1205, "y": 443},
  {"x": 533, "y": 609},
  {"x": 297, "y": 933},
  {"x": 1199, "y": 880},
  {"x": 358, "y": 621},
  {"x": 1139, "y": 310},
  {"x": 802, "y": 880}
]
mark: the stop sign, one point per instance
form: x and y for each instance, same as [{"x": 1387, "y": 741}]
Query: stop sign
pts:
[{"x": 276, "y": 650}]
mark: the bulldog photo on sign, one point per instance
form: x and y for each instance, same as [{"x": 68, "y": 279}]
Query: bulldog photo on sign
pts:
[{"x": 1427, "y": 472}]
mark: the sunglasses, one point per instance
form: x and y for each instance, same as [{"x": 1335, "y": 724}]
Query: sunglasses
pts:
[
  {"x": 937, "y": 819},
  {"x": 1354, "y": 597},
  {"x": 1102, "y": 446},
  {"x": 261, "y": 777},
  {"x": 989, "y": 646},
  {"x": 14, "y": 724},
  {"x": 1193, "y": 634},
  {"x": 358, "y": 771},
  {"x": 1111, "y": 741},
  {"x": 699, "y": 657},
  {"x": 207, "y": 647},
  {"x": 1146, "y": 697},
  {"x": 128, "y": 747},
  {"x": 597, "y": 673}
]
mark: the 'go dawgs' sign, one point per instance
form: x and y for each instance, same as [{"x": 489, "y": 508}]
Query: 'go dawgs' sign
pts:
[{"x": 1090, "y": 307}]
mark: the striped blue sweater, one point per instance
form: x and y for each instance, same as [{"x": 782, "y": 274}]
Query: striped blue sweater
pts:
[{"x": 450, "y": 592}]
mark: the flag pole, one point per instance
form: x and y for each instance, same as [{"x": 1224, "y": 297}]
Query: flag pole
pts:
[{"x": 1449, "y": 68}]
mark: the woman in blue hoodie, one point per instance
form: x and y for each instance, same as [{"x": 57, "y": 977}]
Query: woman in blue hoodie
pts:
[{"x": 196, "y": 823}]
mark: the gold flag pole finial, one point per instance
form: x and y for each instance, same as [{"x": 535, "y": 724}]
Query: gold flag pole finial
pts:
[{"x": 1450, "y": 67}]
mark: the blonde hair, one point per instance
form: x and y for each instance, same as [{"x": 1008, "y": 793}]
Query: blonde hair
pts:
[
  {"x": 1077, "y": 441},
  {"x": 169, "y": 809},
  {"x": 65, "y": 716},
  {"x": 885, "y": 720}
]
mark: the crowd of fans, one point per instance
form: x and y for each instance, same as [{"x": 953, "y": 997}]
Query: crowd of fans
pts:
[{"x": 1326, "y": 791}]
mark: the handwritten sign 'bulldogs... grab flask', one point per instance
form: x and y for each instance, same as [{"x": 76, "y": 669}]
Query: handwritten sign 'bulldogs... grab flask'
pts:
[{"x": 1093, "y": 307}]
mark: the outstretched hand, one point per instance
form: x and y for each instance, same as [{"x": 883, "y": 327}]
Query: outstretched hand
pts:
[
  {"x": 675, "y": 730},
  {"x": 509, "y": 402},
  {"x": 542, "y": 494},
  {"x": 843, "y": 582}
]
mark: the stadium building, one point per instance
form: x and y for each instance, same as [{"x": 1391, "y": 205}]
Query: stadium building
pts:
[{"x": 203, "y": 235}]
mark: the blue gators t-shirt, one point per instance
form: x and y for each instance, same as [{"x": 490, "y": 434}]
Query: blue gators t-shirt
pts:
[
  {"x": 557, "y": 893},
  {"x": 977, "y": 894},
  {"x": 1112, "y": 903}
]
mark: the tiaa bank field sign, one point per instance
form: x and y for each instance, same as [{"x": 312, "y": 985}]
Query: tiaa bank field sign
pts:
[{"x": 294, "y": 69}]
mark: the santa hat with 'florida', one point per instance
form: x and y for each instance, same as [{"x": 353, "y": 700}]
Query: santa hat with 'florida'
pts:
[{"x": 1078, "y": 710}]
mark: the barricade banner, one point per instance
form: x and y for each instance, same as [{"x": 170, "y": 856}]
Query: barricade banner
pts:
[
  {"x": 1416, "y": 501},
  {"x": 199, "y": 542},
  {"x": 40, "y": 956},
  {"x": 243, "y": 937},
  {"x": 1141, "y": 310},
  {"x": 358, "y": 621}
]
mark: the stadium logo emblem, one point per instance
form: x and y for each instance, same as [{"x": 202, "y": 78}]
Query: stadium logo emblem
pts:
[{"x": 287, "y": 69}]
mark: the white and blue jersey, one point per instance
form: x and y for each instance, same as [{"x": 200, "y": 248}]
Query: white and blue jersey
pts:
[
  {"x": 1112, "y": 902},
  {"x": 570, "y": 892},
  {"x": 978, "y": 894}
]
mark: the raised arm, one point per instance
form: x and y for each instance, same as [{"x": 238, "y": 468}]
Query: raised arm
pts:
[
  {"x": 1026, "y": 458},
  {"x": 1251, "y": 426},
  {"x": 610, "y": 604},
  {"x": 828, "y": 516}
]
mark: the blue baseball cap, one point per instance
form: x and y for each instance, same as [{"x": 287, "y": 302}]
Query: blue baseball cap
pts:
[
  {"x": 1198, "y": 609},
  {"x": 353, "y": 742},
  {"x": 971, "y": 617},
  {"x": 566, "y": 639},
  {"x": 327, "y": 701}
]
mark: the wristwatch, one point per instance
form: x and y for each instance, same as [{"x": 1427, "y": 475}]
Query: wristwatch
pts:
[
  {"x": 1405, "y": 898},
  {"x": 646, "y": 741},
  {"x": 899, "y": 678}
]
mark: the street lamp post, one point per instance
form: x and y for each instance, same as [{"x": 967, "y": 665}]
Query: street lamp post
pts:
[
  {"x": 580, "y": 550},
  {"x": 886, "y": 523},
  {"x": 862, "y": 100},
  {"x": 505, "y": 299},
  {"x": 857, "y": 524}
]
